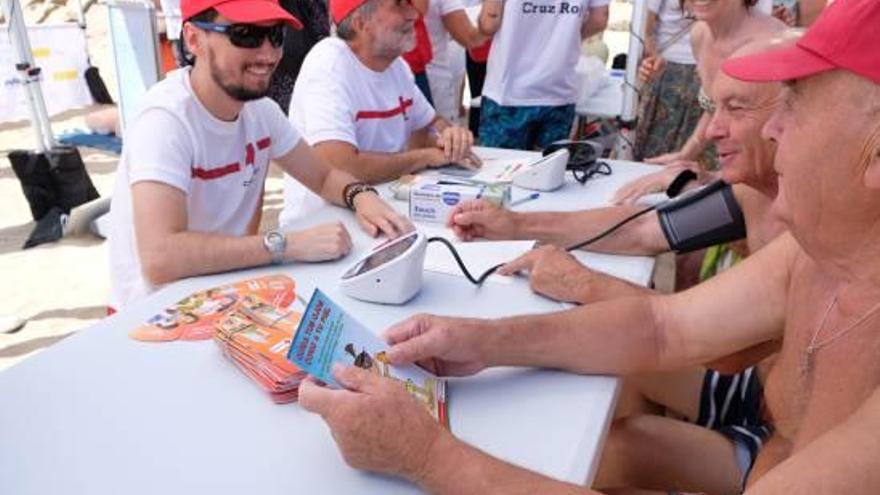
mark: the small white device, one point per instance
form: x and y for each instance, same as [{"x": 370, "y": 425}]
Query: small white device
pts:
[
  {"x": 390, "y": 274},
  {"x": 545, "y": 174}
]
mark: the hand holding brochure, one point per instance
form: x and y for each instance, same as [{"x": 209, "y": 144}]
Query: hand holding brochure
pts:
[{"x": 327, "y": 334}]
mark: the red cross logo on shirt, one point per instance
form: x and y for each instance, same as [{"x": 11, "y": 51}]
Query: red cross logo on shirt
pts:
[
  {"x": 250, "y": 155},
  {"x": 386, "y": 114}
]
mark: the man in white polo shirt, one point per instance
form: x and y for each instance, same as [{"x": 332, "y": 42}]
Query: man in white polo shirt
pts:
[
  {"x": 188, "y": 197},
  {"x": 531, "y": 86},
  {"x": 357, "y": 104}
]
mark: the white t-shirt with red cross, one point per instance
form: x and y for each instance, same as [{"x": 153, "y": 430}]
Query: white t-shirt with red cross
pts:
[
  {"x": 535, "y": 52},
  {"x": 220, "y": 166},
  {"x": 338, "y": 98}
]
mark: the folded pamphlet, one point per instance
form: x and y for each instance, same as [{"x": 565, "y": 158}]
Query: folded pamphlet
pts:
[{"x": 327, "y": 334}]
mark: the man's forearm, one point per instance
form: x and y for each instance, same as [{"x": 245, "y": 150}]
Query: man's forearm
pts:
[
  {"x": 466, "y": 34},
  {"x": 454, "y": 467},
  {"x": 375, "y": 167},
  {"x": 490, "y": 17},
  {"x": 603, "y": 287},
  {"x": 188, "y": 254},
  {"x": 697, "y": 141},
  {"x": 596, "y": 23},
  {"x": 642, "y": 236},
  {"x": 614, "y": 337}
]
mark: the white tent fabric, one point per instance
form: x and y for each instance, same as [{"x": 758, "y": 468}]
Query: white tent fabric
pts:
[
  {"x": 135, "y": 52},
  {"x": 60, "y": 52}
]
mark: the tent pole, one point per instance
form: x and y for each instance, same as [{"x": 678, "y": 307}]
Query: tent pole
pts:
[{"x": 29, "y": 75}]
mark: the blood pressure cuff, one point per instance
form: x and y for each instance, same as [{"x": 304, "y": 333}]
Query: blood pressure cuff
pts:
[{"x": 701, "y": 218}]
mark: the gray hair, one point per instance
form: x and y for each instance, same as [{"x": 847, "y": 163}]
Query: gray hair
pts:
[{"x": 345, "y": 29}]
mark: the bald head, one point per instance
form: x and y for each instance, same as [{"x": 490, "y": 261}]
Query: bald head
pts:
[{"x": 762, "y": 44}]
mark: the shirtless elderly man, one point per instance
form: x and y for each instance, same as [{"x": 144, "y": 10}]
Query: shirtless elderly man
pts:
[{"x": 817, "y": 288}]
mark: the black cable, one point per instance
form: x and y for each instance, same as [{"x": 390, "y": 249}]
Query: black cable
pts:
[
  {"x": 482, "y": 278},
  {"x": 611, "y": 230},
  {"x": 475, "y": 281}
]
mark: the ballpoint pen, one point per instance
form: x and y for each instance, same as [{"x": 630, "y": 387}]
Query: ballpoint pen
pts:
[{"x": 524, "y": 200}]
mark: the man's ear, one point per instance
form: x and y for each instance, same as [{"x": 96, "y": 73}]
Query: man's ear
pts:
[
  {"x": 359, "y": 24},
  {"x": 194, "y": 39},
  {"x": 872, "y": 167}
]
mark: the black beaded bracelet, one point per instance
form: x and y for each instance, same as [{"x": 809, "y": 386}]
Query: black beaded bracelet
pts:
[{"x": 350, "y": 191}]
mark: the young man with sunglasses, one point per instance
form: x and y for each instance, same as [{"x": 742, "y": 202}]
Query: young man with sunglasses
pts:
[
  {"x": 357, "y": 103},
  {"x": 189, "y": 192}
]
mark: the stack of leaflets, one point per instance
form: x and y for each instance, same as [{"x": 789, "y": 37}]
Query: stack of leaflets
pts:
[
  {"x": 256, "y": 337},
  {"x": 195, "y": 316},
  {"x": 252, "y": 321},
  {"x": 327, "y": 334}
]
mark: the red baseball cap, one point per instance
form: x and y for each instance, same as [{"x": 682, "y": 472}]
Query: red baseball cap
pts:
[
  {"x": 339, "y": 9},
  {"x": 844, "y": 37},
  {"x": 244, "y": 11}
]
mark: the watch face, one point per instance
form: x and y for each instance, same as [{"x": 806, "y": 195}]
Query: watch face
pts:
[{"x": 274, "y": 238}]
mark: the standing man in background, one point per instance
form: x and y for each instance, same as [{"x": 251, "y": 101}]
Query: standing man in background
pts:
[{"x": 531, "y": 86}]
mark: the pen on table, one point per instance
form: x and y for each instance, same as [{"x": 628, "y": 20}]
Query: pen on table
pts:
[
  {"x": 482, "y": 189},
  {"x": 526, "y": 199}
]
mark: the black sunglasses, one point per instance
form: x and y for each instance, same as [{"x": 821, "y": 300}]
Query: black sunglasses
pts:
[{"x": 246, "y": 35}]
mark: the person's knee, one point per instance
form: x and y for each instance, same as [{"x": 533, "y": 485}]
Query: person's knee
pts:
[{"x": 621, "y": 457}]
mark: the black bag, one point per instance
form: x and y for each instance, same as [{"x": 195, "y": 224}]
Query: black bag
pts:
[
  {"x": 50, "y": 228},
  {"x": 57, "y": 177}
]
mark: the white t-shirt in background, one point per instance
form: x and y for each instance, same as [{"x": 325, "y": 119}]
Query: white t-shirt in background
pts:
[
  {"x": 534, "y": 53},
  {"x": 445, "y": 49},
  {"x": 338, "y": 98},
  {"x": 221, "y": 166},
  {"x": 672, "y": 21},
  {"x": 446, "y": 69}
]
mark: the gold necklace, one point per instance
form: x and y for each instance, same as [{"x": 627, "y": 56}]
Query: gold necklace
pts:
[{"x": 814, "y": 346}]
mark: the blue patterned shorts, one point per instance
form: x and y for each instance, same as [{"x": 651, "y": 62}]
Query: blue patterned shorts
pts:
[{"x": 523, "y": 128}]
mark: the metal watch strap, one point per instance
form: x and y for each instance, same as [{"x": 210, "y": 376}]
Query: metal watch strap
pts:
[{"x": 276, "y": 243}]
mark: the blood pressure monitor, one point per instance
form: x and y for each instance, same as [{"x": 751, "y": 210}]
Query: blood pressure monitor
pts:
[
  {"x": 545, "y": 174},
  {"x": 391, "y": 273}
]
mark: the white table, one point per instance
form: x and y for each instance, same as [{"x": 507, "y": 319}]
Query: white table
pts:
[{"x": 100, "y": 413}]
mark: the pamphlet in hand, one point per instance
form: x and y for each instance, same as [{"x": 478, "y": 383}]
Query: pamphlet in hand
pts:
[{"x": 327, "y": 334}]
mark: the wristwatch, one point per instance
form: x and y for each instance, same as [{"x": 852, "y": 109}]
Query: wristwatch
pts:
[{"x": 276, "y": 243}]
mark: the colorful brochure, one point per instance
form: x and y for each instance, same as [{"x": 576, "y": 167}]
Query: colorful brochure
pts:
[
  {"x": 252, "y": 321},
  {"x": 327, "y": 334},
  {"x": 194, "y": 317}
]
